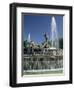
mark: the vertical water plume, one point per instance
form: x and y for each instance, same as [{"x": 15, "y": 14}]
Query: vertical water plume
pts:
[{"x": 54, "y": 34}]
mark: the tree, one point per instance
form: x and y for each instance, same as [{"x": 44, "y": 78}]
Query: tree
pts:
[
  {"x": 61, "y": 43},
  {"x": 26, "y": 44}
]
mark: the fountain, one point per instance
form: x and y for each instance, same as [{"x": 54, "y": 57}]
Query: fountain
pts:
[
  {"x": 29, "y": 39},
  {"x": 54, "y": 34}
]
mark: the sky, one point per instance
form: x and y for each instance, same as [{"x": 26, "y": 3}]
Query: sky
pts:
[{"x": 37, "y": 25}]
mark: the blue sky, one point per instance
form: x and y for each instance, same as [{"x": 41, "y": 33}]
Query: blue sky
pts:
[{"x": 37, "y": 25}]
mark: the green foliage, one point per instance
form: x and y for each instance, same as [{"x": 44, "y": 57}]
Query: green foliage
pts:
[
  {"x": 61, "y": 43},
  {"x": 26, "y": 44}
]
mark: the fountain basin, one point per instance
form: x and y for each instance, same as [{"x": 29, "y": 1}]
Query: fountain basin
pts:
[{"x": 53, "y": 48}]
